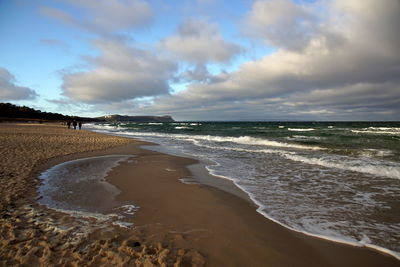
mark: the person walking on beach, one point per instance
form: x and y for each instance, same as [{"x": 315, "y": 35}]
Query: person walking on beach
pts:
[
  {"x": 80, "y": 125},
  {"x": 74, "y": 123},
  {"x": 69, "y": 124}
]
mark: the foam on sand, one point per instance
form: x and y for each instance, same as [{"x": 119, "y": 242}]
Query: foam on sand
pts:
[{"x": 65, "y": 188}]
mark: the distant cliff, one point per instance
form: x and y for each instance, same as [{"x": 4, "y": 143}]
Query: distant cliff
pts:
[{"x": 136, "y": 118}]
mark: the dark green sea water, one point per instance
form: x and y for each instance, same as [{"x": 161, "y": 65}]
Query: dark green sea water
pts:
[{"x": 341, "y": 137}]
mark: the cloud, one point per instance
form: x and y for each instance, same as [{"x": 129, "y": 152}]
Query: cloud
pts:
[
  {"x": 200, "y": 42},
  {"x": 105, "y": 16},
  {"x": 200, "y": 74},
  {"x": 120, "y": 72},
  {"x": 10, "y": 91},
  {"x": 349, "y": 68},
  {"x": 334, "y": 59},
  {"x": 282, "y": 23},
  {"x": 57, "y": 14},
  {"x": 355, "y": 95}
]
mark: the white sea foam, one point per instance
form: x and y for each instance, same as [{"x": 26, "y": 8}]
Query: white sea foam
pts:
[
  {"x": 385, "y": 128},
  {"x": 182, "y": 127},
  {"x": 303, "y": 137},
  {"x": 375, "y": 132},
  {"x": 189, "y": 181},
  {"x": 238, "y": 149},
  {"x": 122, "y": 224},
  {"x": 102, "y": 126},
  {"x": 379, "y": 130},
  {"x": 301, "y": 129},
  {"x": 70, "y": 176},
  {"x": 376, "y": 152},
  {"x": 85, "y": 214},
  {"x": 365, "y": 240},
  {"x": 245, "y": 140},
  {"x": 354, "y": 165},
  {"x": 93, "y": 171},
  {"x": 322, "y": 234},
  {"x": 127, "y": 209}
]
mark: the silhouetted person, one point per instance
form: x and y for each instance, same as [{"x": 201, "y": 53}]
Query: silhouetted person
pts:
[
  {"x": 69, "y": 124},
  {"x": 80, "y": 125},
  {"x": 74, "y": 123}
]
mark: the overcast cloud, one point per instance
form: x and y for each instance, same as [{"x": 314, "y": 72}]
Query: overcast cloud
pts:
[
  {"x": 351, "y": 65},
  {"x": 337, "y": 62},
  {"x": 120, "y": 72},
  {"x": 10, "y": 91},
  {"x": 200, "y": 42},
  {"x": 282, "y": 23}
]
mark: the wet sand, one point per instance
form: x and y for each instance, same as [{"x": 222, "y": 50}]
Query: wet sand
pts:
[
  {"x": 176, "y": 224},
  {"x": 226, "y": 229}
]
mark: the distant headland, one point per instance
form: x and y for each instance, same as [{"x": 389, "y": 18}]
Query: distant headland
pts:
[{"x": 136, "y": 118}]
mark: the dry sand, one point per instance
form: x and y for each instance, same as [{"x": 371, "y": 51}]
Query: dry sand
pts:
[{"x": 177, "y": 224}]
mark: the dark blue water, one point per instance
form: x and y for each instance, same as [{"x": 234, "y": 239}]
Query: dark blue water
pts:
[{"x": 334, "y": 179}]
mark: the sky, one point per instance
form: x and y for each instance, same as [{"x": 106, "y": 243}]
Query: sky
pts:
[{"x": 203, "y": 59}]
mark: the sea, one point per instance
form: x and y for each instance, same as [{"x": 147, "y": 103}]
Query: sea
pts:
[{"x": 335, "y": 180}]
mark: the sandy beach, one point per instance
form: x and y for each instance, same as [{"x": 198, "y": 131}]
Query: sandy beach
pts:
[
  {"x": 33, "y": 235},
  {"x": 177, "y": 224}
]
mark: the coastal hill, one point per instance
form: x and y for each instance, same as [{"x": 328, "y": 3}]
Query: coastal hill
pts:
[
  {"x": 11, "y": 112},
  {"x": 136, "y": 118}
]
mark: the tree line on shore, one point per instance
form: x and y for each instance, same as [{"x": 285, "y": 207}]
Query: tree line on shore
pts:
[{"x": 11, "y": 111}]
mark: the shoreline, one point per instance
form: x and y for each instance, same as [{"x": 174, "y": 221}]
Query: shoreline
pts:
[
  {"x": 203, "y": 176},
  {"x": 259, "y": 208},
  {"x": 179, "y": 222},
  {"x": 200, "y": 171},
  {"x": 317, "y": 240}
]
